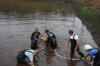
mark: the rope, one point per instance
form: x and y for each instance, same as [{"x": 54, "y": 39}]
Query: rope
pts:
[
  {"x": 64, "y": 57},
  {"x": 68, "y": 58}
]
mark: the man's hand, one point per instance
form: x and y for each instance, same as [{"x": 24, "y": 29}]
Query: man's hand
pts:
[
  {"x": 38, "y": 46},
  {"x": 31, "y": 63},
  {"x": 68, "y": 45},
  {"x": 77, "y": 44},
  {"x": 75, "y": 49},
  {"x": 86, "y": 56},
  {"x": 44, "y": 38}
]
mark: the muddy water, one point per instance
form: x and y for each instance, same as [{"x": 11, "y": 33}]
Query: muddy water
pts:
[{"x": 15, "y": 36}]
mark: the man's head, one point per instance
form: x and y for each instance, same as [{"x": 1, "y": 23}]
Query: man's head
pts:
[
  {"x": 36, "y": 52},
  {"x": 70, "y": 32},
  {"x": 88, "y": 47},
  {"x": 36, "y": 29},
  {"x": 46, "y": 30},
  {"x": 36, "y": 35}
]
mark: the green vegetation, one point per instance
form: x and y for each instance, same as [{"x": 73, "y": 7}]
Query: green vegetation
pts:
[{"x": 88, "y": 13}]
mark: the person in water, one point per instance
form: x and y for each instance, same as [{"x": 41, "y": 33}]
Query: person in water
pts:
[
  {"x": 93, "y": 52},
  {"x": 34, "y": 42},
  {"x": 27, "y": 56},
  {"x": 50, "y": 40},
  {"x": 74, "y": 41},
  {"x": 34, "y": 39}
]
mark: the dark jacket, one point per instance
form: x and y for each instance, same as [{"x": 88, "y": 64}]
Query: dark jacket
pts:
[
  {"x": 21, "y": 57},
  {"x": 32, "y": 36}
]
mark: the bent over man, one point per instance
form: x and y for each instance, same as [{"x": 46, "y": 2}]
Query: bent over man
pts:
[
  {"x": 50, "y": 40},
  {"x": 27, "y": 56},
  {"x": 93, "y": 52}
]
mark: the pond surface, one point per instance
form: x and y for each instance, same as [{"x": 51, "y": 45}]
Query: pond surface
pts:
[{"x": 15, "y": 33}]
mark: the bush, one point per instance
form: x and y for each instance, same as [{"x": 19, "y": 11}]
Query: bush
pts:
[{"x": 88, "y": 12}]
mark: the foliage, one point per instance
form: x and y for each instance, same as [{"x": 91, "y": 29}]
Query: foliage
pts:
[{"x": 88, "y": 12}]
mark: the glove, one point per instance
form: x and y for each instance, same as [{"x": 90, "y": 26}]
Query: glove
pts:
[
  {"x": 33, "y": 65},
  {"x": 91, "y": 63},
  {"x": 43, "y": 38}
]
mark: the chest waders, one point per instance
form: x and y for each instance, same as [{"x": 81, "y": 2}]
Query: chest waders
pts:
[
  {"x": 51, "y": 42},
  {"x": 97, "y": 59},
  {"x": 73, "y": 46},
  {"x": 34, "y": 44}
]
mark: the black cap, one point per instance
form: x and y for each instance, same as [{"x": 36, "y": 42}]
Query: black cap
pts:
[{"x": 46, "y": 30}]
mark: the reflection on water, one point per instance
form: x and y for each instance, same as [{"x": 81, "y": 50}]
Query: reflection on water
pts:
[
  {"x": 18, "y": 64},
  {"x": 49, "y": 55},
  {"x": 71, "y": 63}
]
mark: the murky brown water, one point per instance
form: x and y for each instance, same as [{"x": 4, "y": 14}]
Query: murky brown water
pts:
[{"x": 15, "y": 36}]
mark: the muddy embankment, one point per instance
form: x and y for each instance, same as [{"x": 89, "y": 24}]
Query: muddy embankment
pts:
[{"x": 92, "y": 3}]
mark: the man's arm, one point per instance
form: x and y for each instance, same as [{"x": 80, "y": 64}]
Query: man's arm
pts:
[
  {"x": 68, "y": 42},
  {"x": 91, "y": 59},
  {"x": 77, "y": 44},
  {"x": 32, "y": 36},
  {"x": 91, "y": 56},
  {"x": 87, "y": 55}
]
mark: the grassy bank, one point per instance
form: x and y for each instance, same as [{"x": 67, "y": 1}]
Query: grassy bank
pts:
[{"x": 90, "y": 17}]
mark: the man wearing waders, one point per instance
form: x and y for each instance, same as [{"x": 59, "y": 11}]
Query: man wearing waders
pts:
[
  {"x": 34, "y": 39},
  {"x": 74, "y": 41},
  {"x": 93, "y": 52},
  {"x": 51, "y": 40},
  {"x": 34, "y": 42}
]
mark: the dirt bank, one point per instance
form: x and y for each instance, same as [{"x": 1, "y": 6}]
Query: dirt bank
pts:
[{"x": 92, "y": 3}]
